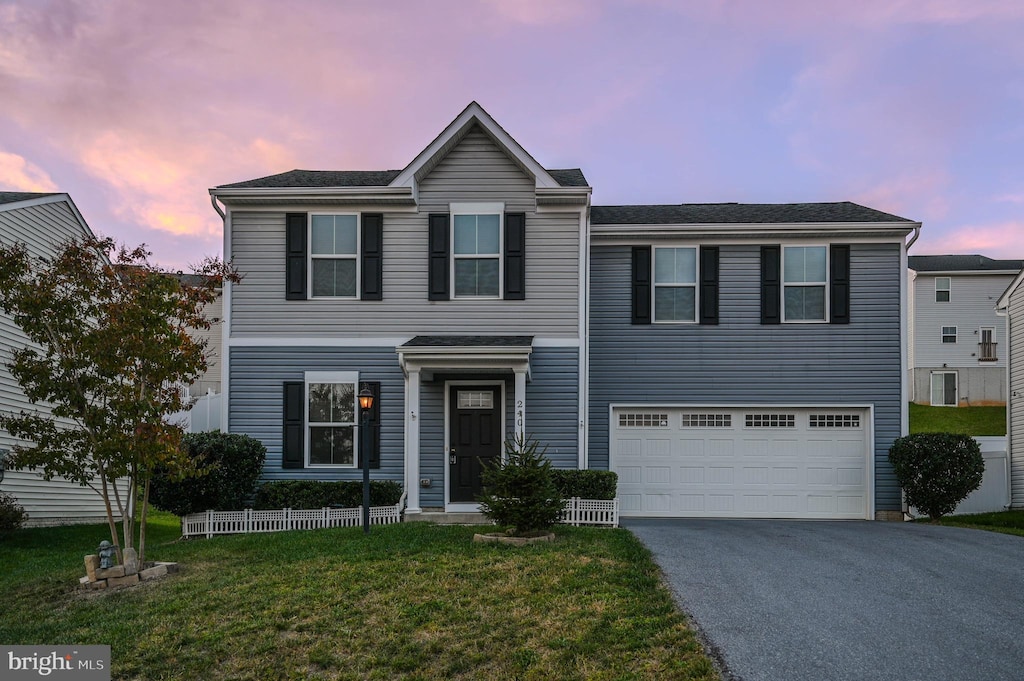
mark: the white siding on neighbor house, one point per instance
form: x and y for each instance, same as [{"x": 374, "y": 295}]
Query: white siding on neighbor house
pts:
[
  {"x": 40, "y": 227},
  {"x": 1015, "y": 406},
  {"x": 209, "y": 381},
  {"x": 475, "y": 171},
  {"x": 971, "y": 306}
]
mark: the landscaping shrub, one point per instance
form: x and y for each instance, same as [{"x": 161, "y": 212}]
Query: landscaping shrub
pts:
[
  {"x": 937, "y": 470},
  {"x": 229, "y": 466},
  {"x": 12, "y": 515},
  {"x": 319, "y": 493},
  {"x": 520, "y": 491},
  {"x": 585, "y": 484}
]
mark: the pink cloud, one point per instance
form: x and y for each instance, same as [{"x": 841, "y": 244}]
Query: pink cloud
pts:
[
  {"x": 18, "y": 174},
  {"x": 920, "y": 195},
  {"x": 1000, "y": 240},
  {"x": 541, "y": 12}
]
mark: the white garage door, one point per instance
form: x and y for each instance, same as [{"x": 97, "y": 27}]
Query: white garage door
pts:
[{"x": 742, "y": 463}]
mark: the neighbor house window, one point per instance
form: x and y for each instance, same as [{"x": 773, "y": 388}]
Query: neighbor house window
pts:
[
  {"x": 804, "y": 283},
  {"x": 987, "y": 346},
  {"x": 333, "y": 253},
  {"x": 949, "y": 334},
  {"x": 942, "y": 286},
  {"x": 944, "y": 389},
  {"x": 675, "y": 284},
  {"x": 476, "y": 250},
  {"x": 331, "y": 418}
]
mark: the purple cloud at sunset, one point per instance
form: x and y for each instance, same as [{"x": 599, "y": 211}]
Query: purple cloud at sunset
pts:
[{"x": 136, "y": 108}]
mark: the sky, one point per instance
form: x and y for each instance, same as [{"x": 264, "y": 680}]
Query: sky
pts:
[{"x": 137, "y": 107}]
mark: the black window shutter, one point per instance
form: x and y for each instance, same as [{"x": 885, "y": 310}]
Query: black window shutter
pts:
[
  {"x": 839, "y": 284},
  {"x": 771, "y": 284},
  {"x": 374, "y": 436},
  {"x": 295, "y": 256},
  {"x": 372, "y": 256},
  {"x": 515, "y": 256},
  {"x": 709, "y": 285},
  {"x": 437, "y": 271},
  {"x": 641, "y": 284},
  {"x": 292, "y": 444}
]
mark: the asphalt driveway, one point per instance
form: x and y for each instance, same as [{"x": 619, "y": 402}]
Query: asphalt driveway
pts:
[{"x": 789, "y": 600}]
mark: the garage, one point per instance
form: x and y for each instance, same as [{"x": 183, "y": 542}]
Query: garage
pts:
[{"x": 743, "y": 462}]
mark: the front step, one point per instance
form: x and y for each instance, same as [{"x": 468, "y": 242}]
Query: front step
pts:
[{"x": 446, "y": 518}]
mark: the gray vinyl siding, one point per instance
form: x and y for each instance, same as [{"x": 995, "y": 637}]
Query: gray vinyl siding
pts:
[
  {"x": 741, "y": 361},
  {"x": 970, "y": 307},
  {"x": 475, "y": 171},
  {"x": 41, "y": 228},
  {"x": 1016, "y": 399},
  {"x": 256, "y": 407}
]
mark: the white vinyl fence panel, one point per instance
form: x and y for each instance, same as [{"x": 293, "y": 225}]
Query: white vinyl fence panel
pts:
[
  {"x": 591, "y": 512},
  {"x": 210, "y": 523}
]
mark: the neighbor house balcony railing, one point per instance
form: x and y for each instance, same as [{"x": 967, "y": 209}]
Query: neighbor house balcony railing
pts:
[{"x": 987, "y": 352}]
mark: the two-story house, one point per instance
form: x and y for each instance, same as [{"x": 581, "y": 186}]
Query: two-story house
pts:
[
  {"x": 957, "y": 341},
  {"x": 725, "y": 360}
]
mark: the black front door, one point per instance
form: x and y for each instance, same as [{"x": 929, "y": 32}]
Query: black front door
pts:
[{"x": 475, "y": 438}]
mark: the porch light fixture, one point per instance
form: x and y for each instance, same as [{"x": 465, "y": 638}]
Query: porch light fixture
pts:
[{"x": 365, "y": 405}]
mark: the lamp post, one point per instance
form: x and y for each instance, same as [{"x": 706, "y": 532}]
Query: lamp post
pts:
[{"x": 365, "y": 405}]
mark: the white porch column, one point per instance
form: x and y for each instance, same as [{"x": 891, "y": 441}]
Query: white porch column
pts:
[
  {"x": 412, "y": 442},
  {"x": 520, "y": 404}
]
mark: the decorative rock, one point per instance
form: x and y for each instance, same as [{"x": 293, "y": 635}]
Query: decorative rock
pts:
[
  {"x": 502, "y": 538},
  {"x": 84, "y": 581},
  {"x": 171, "y": 567},
  {"x": 117, "y": 582},
  {"x": 116, "y": 571},
  {"x": 96, "y": 586},
  {"x": 92, "y": 564},
  {"x": 131, "y": 561},
  {"x": 153, "y": 573}
]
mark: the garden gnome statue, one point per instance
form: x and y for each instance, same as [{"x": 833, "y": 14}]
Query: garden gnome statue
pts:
[{"x": 106, "y": 554}]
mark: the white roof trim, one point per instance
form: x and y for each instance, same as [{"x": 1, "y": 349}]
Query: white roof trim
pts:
[
  {"x": 743, "y": 228},
  {"x": 474, "y": 113},
  {"x": 1004, "y": 300}
]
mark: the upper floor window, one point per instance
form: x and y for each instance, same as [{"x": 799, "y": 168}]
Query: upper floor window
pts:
[
  {"x": 804, "y": 283},
  {"x": 476, "y": 250},
  {"x": 942, "y": 287},
  {"x": 949, "y": 334},
  {"x": 675, "y": 284},
  {"x": 334, "y": 255}
]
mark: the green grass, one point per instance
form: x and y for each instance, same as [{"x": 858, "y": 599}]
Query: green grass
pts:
[
  {"x": 1008, "y": 522},
  {"x": 966, "y": 420},
  {"x": 410, "y": 601}
]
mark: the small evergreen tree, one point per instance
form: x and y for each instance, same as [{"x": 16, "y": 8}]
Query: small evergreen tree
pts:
[{"x": 519, "y": 491}]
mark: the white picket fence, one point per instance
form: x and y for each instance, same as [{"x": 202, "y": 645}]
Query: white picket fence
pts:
[
  {"x": 210, "y": 523},
  {"x": 591, "y": 512}
]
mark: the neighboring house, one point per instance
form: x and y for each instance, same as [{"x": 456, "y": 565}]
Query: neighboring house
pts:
[
  {"x": 723, "y": 359},
  {"x": 42, "y": 222},
  {"x": 209, "y": 382},
  {"x": 958, "y": 343},
  {"x": 1011, "y": 305}
]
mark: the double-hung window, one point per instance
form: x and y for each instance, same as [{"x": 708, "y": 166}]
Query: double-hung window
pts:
[
  {"x": 331, "y": 418},
  {"x": 675, "y": 284},
  {"x": 476, "y": 250},
  {"x": 805, "y": 283},
  {"x": 942, "y": 289},
  {"x": 949, "y": 334},
  {"x": 334, "y": 255}
]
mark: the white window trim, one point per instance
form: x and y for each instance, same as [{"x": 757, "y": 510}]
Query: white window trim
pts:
[
  {"x": 496, "y": 208},
  {"x": 956, "y": 388},
  {"x": 330, "y": 377},
  {"x": 695, "y": 285},
  {"x": 310, "y": 256},
  {"x": 806, "y": 284},
  {"x": 948, "y": 290},
  {"x": 943, "y": 334}
]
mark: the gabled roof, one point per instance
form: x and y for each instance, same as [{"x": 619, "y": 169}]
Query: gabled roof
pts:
[
  {"x": 739, "y": 213},
  {"x": 15, "y": 197},
  {"x": 1004, "y": 300},
  {"x": 962, "y": 263}
]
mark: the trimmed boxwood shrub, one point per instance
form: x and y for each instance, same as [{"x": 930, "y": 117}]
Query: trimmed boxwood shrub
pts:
[
  {"x": 937, "y": 470},
  {"x": 320, "y": 493},
  {"x": 585, "y": 484},
  {"x": 12, "y": 515},
  {"x": 229, "y": 466}
]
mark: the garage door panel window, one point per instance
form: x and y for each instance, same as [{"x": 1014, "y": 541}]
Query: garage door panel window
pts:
[
  {"x": 643, "y": 420},
  {"x": 835, "y": 421},
  {"x": 706, "y": 421},
  {"x": 770, "y": 420}
]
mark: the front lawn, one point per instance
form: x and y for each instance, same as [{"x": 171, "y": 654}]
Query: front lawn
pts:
[
  {"x": 1008, "y": 522},
  {"x": 965, "y": 420},
  {"x": 411, "y": 601}
]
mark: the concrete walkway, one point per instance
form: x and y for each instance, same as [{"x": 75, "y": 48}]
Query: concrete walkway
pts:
[{"x": 791, "y": 600}]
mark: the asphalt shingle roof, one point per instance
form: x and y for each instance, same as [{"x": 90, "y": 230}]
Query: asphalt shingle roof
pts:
[
  {"x": 14, "y": 197},
  {"x": 737, "y": 213},
  {"x": 572, "y": 177},
  {"x": 469, "y": 341},
  {"x": 960, "y": 263}
]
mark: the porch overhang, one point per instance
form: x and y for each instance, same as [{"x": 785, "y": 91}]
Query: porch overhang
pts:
[{"x": 430, "y": 355}]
